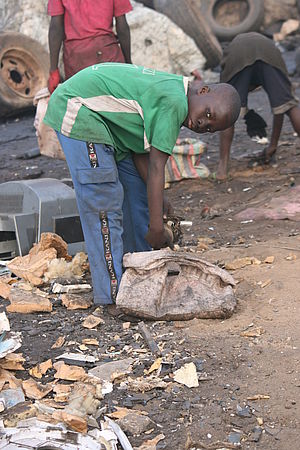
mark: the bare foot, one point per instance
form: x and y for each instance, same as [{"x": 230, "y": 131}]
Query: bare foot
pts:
[{"x": 222, "y": 173}]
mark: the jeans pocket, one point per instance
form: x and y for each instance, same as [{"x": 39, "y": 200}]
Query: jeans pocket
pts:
[{"x": 99, "y": 189}]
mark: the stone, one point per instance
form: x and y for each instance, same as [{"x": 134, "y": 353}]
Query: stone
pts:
[
  {"x": 79, "y": 301},
  {"x": 92, "y": 321},
  {"x": 279, "y": 10},
  {"x": 157, "y": 44},
  {"x": 243, "y": 412},
  {"x": 26, "y": 302},
  {"x": 33, "y": 266},
  {"x": 187, "y": 375},
  {"x": 134, "y": 423},
  {"x": 110, "y": 371},
  {"x": 35, "y": 390},
  {"x": 69, "y": 373}
]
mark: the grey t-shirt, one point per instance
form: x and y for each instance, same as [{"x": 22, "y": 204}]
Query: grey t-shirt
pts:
[{"x": 244, "y": 50}]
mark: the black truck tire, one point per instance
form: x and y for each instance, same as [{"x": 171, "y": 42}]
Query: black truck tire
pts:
[
  {"x": 24, "y": 69},
  {"x": 251, "y": 22},
  {"x": 190, "y": 19}
]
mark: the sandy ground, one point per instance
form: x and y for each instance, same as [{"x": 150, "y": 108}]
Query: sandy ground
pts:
[{"x": 233, "y": 368}]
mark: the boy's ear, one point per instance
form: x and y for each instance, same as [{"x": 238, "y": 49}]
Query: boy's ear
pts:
[{"x": 203, "y": 90}]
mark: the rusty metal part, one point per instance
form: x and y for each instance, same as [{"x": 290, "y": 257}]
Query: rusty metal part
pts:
[{"x": 173, "y": 227}]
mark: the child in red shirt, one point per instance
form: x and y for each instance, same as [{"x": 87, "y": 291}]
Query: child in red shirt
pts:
[{"x": 86, "y": 31}]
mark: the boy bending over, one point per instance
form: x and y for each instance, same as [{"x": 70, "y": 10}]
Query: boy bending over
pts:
[{"x": 117, "y": 125}]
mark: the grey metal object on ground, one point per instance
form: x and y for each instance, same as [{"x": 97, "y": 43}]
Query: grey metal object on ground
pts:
[{"x": 29, "y": 208}]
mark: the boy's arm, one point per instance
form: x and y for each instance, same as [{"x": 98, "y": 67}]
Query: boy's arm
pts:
[
  {"x": 156, "y": 235},
  {"x": 151, "y": 168},
  {"x": 123, "y": 32},
  {"x": 55, "y": 39},
  {"x": 141, "y": 161}
]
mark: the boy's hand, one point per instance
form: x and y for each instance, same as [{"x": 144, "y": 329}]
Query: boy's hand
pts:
[
  {"x": 158, "y": 239},
  {"x": 53, "y": 80}
]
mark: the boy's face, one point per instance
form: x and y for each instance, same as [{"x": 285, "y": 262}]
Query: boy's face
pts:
[{"x": 205, "y": 115}]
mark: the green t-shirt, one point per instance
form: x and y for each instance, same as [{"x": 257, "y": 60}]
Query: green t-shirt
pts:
[{"x": 127, "y": 106}]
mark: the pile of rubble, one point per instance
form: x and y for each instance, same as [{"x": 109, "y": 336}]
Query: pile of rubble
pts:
[{"x": 68, "y": 389}]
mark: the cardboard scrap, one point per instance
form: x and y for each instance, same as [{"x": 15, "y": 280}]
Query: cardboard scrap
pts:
[
  {"x": 155, "y": 366},
  {"x": 291, "y": 257},
  {"x": 32, "y": 266},
  {"x": 69, "y": 373},
  {"x": 269, "y": 259},
  {"x": 10, "y": 379},
  {"x": 35, "y": 390},
  {"x": 74, "y": 422},
  {"x": 240, "y": 263},
  {"x": 112, "y": 370},
  {"x": 59, "y": 342},
  {"x": 27, "y": 302},
  {"x": 4, "y": 287},
  {"x": 12, "y": 361},
  {"x": 258, "y": 397},
  {"x": 187, "y": 375},
  {"x": 264, "y": 284},
  {"x": 92, "y": 321},
  {"x": 142, "y": 384},
  {"x": 123, "y": 412},
  {"x": 48, "y": 241},
  {"x": 40, "y": 370},
  {"x": 62, "y": 392},
  {"x": 90, "y": 341},
  {"x": 79, "y": 301},
  {"x": 253, "y": 332},
  {"x": 151, "y": 443}
]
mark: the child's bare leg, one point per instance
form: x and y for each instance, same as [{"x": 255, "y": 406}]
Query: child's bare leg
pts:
[{"x": 294, "y": 115}]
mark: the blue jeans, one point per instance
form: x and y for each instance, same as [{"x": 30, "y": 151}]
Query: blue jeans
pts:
[
  {"x": 99, "y": 193},
  {"x": 135, "y": 208}
]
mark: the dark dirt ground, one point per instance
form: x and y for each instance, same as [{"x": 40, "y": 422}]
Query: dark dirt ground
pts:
[{"x": 231, "y": 367}]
